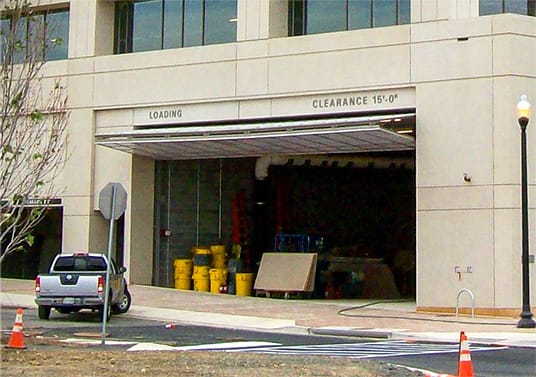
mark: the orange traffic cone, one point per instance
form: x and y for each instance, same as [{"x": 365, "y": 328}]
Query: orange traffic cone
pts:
[
  {"x": 465, "y": 365},
  {"x": 17, "y": 338}
]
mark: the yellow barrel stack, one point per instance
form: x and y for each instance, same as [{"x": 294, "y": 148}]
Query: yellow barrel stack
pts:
[
  {"x": 208, "y": 270},
  {"x": 202, "y": 261}
]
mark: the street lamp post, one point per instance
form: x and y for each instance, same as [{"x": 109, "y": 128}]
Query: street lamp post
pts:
[{"x": 523, "y": 115}]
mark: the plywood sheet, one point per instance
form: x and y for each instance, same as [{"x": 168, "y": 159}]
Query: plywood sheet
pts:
[{"x": 287, "y": 272}]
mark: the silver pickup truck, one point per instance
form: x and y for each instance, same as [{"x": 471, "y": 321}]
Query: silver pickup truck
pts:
[{"x": 78, "y": 281}]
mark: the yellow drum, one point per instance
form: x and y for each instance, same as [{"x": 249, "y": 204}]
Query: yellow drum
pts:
[
  {"x": 218, "y": 277},
  {"x": 183, "y": 283},
  {"x": 218, "y": 256},
  {"x": 244, "y": 283},
  {"x": 183, "y": 267}
]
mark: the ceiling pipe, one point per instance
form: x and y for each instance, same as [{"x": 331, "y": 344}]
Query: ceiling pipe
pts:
[{"x": 264, "y": 162}]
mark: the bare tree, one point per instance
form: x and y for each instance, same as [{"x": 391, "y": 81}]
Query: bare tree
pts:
[{"x": 33, "y": 136}]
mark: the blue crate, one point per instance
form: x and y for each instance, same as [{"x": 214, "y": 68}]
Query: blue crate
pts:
[{"x": 292, "y": 242}]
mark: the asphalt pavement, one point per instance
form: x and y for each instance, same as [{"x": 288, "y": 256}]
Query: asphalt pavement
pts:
[{"x": 389, "y": 319}]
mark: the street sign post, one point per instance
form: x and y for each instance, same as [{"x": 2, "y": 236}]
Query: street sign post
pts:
[{"x": 112, "y": 204}]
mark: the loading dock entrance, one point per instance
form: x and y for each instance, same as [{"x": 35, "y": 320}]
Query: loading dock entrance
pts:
[{"x": 201, "y": 168}]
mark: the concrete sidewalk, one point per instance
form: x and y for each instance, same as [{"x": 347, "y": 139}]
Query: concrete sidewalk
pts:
[{"x": 364, "y": 318}]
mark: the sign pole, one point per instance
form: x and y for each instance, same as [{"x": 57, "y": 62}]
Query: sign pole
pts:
[{"x": 107, "y": 289}]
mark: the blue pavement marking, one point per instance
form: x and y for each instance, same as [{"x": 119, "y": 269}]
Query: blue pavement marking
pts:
[{"x": 367, "y": 350}]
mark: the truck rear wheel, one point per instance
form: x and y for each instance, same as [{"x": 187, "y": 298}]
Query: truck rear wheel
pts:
[
  {"x": 124, "y": 305},
  {"x": 43, "y": 312}
]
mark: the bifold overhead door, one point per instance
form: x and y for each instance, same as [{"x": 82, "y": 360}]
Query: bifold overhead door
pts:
[{"x": 336, "y": 135}]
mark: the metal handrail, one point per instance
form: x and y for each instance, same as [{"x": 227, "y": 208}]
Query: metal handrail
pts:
[{"x": 472, "y": 301}]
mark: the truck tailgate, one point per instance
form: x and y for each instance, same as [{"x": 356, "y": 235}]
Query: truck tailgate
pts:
[{"x": 69, "y": 285}]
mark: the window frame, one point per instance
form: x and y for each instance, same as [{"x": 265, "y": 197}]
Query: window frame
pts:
[
  {"x": 28, "y": 19},
  {"x": 504, "y": 7},
  {"x": 125, "y": 22},
  {"x": 299, "y": 7}
]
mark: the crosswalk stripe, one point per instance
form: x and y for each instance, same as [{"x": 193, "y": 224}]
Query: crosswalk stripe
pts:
[{"x": 366, "y": 350}]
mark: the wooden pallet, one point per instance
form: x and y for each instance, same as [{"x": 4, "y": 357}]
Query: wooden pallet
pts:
[{"x": 283, "y": 294}]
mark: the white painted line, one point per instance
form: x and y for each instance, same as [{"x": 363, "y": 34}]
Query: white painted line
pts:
[
  {"x": 97, "y": 342},
  {"x": 201, "y": 347},
  {"x": 227, "y": 346},
  {"x": 151, "y": 347}
]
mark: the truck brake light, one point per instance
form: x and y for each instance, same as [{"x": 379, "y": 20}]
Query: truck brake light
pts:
[
  {"x": 80, "y": 254},
  {"x": 38, "y": 284},
  {"x": 100, "y": 284}
]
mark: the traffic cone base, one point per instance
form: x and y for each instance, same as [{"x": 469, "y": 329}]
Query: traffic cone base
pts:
[
  {"x": 465, "y": 365},
  {"x": 16, "y": 340}
]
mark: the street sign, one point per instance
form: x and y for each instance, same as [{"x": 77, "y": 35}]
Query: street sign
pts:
[
  {"x": 112, "y": 204},
  {"x": 112, "y": 201}
]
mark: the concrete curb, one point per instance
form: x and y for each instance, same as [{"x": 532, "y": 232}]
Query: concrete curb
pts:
[
  {"x": 353, "y": 332},
  {"x": 212, "y": 319}
]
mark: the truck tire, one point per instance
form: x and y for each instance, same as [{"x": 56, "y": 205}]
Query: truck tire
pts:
[
  {"x": 124, "y": 304},
  {"x": 43, "y": 312}
]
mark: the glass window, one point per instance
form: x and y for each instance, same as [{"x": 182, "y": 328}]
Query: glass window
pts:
[
  {"x": 123, "y": 27},
  {"x": 193, "y": 23},
  {"x": 39, "y": 36},
  {"x": 57, "y": 31},
  {"x": 491, "y": 7},
  {"x": 384, "y": 13},
  {"x": 518, "y": 7},
  {"x": 325, "y": 16},
  {"x": 173, "y": 24},
  {"x": 156, "y": 24},
  {"x": 404, "y": 12},
  {"x": 80, "y": 263},
  {"x": 4, "y": 32},
  {"x": 359, "y": 14},
  {"x": 147, "y": 27},
  {"x": 296, "y": 12},
  {"x": 322, "y": 16},
  {"x": 20, "y": 35},
  {"x": 220, "y": 21},
  {"x": 526, "y": 7}
]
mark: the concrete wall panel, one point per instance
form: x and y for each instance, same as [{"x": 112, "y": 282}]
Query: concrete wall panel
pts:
[
  {"x": 252, "y": 77},
  {"x": 139, "y": 221},
  {"x": 166, "y": 85},
  {"x": 354, "y": 39},
  {"x": 80, "y": 157},
  {"x": 455, "y": 238},
  {"x": 451, "y": 142},
  {"x": 451, "y": 59},
  {"x": 341, "y": 69}
]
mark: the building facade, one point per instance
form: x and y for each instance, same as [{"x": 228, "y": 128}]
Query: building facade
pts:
[{"x": 387, "y": 127}]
